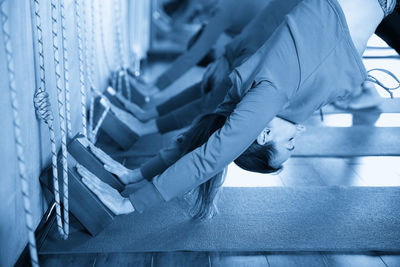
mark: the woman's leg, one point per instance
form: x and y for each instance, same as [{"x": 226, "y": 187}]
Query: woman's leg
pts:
[{"x": 389, "y": 31}]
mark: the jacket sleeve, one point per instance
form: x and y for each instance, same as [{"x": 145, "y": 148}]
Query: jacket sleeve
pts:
[
  {"x": 179, "y": 118},
  {"x": 189, "y": 94},
  {"x": 249, "y": 118},
  {"x": 165, "y": 158}
]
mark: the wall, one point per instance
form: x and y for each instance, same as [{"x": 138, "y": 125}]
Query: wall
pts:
[{"x": 35, "y": 135}]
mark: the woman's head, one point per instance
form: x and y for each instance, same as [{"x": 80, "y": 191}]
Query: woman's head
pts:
[
  {"x": 265, "y": 155},
  {"x": 274, "y": 145}
]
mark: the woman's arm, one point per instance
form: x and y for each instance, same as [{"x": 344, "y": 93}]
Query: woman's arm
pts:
[
  {"x": 217, "y": 25},
  {"x": 251, "y": 116},
  {"x": 189, "y": 94},
  {"x": 263, "y": 84},
  {"x": 180, "y": 117},
  {"x": 165, "y": 158},
  {"x": 243, "y": 126}
]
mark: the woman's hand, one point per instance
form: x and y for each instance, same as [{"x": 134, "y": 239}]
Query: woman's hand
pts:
[
  {"x": 137, "y": 111},
  {"x": 146, "y": 89},
  {"x": 135, "y": 125},
  {"x": 125, "y": 175},
  {"x": 110, "y": 197},
  {"x": 128, "y": 119}
]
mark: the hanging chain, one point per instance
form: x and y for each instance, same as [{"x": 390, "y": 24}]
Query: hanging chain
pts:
[
  {"x": 66, "y": 68},
  {"x": 121, "y": 50},
  {"x": 90, "y": 74},
  {"x": 103, "y": 115},
  {"x": 43, "y": 111},
  {"x": 61, "y": 112},
  {"x": 18, "y": 136},
  {"x": 115, "y": 75},
  {"x": 125, "y": 57},
  {"x": 92, "y": 43},
  {"x": 81, "y": 65},
  {"x": 102, "y": 36},
  {"x": 117, "y": 46}
]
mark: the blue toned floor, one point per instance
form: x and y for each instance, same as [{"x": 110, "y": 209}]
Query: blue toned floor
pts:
[
  {"x": 309, "y": 171},
  {"x": 221, "y": 259}
]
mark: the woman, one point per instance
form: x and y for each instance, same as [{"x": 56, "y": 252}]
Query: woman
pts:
[
  {"x": 230, "y": 18},
  {"x": 180, "y": 111},
  {"x": 312, "y": 59}
]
